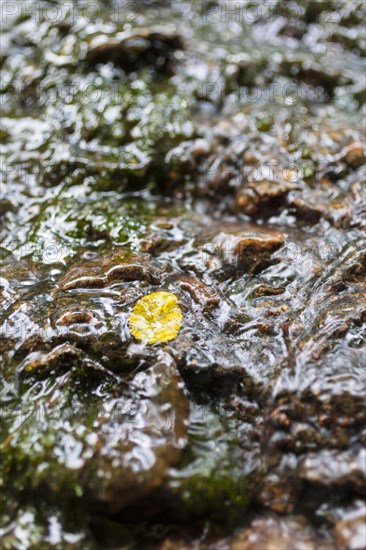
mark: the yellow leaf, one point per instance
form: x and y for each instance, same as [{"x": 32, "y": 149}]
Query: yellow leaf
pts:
[{"x": 156, "y": 318}]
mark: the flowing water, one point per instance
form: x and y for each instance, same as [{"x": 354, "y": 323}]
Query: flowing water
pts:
[{"x": 214, "y": 150}]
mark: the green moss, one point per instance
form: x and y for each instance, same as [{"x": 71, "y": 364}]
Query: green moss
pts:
[
  {"x": 46, "y": 431},
  {"x": 264, "y": 123},
  {"x": 305, "y": 153},
  {"x": 72, "y": 219},
  {"x": 211, "y": 478},
  {"x": 308, "y": 171}
]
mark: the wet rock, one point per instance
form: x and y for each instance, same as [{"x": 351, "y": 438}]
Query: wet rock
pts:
[
  {"x": 327, "y": 408},
  {"x": 105, "y": 272},
  {"x": 134, "y": 459},
  {"x": 92, "y": 302},
  {"x": 334, "y": 171},
  {"x": 279, "y": 348},
  {"x": 217, "y": 474},
  {"x": 349, "y": 524},
  {"x": 206, "y": 362},
  {"x": 313, "y": 74},
  {"x": 350, "y": 533},
  {"x": 354, "y": 155},
  {"x": 74, "y": 316},
  {"x": 249, "y": 251},
  {"x": 96, "y": 234},
  {"x": 6, "y": 206},
  {"x": 316, "y": 422},
  {"x": 264, "y": 290},
  {"x": 317, "y": 204},
  {"x": 110, "y": 451},
  {"x": 182, "y": 159},
  {"x": 201, "y": 293},
  {"x": 257, "y": 197},
  {"x": 187, "y": 542},
  {"x": 276, "y": 533},
  {"x": 335, "y": 468},
  {"x": 295, "y": 29},
  {"x": 61, "y": 357},
  {"x": 166, "y": 236},
  {"x": 255, "y": 251},
  {"x": 276, "y": 494},
  {"x": 155, "y": 244},
  {"x": 136, "y": 48},
  {"x": 245, "y": 70},
  {"x": 219, "y": 176}
]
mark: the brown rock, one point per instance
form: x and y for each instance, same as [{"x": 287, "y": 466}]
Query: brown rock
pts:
[
  {"x": 351, "y": 533},
  {"x": 248, "y": 250},
  {"x": 155, "y": 243},
  {"x": 320, "y": 204},
  {"x": 201, "y": 293},
  {"x": 354, "y": 154},
  {"x": 276, "y": 533},
  {"x": 334, "y": 467},
  {"x": 139, "y": 439},
  {"x": 256, "y": 197},
  {"x": 6, "y": 206},
  {"x": 104, "y": 272},
  {"x": 279, "y": 496},
  {"x": 61, "y": 356},
  {"x": 255, "y": 251},
  {"x": 350, "y": 530},
  {"x": 74, "y": 316},
  {"x": 136, "y": 48}
]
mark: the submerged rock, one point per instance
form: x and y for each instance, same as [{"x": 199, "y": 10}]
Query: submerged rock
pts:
[
  {"x": 106, "y": 444},
  {"x": 136, "y": 48},
  {"x": 336, "y": 468},
  {"x": 201, "y": 293},
  {"x": 322, "y": 203},
  {"x": 276, "y": 533},
  {"x": 248, "y": 250},
  {"x": 257, "y": 197},
  {"x": 103, "y": 273},
  {"x": 349, "y": 524},
  {"x": 354, "y": 155}
]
